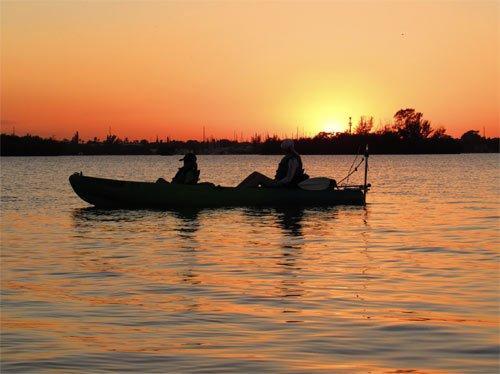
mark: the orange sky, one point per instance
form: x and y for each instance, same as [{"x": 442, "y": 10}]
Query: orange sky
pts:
[{"x": 170, "y": 68}]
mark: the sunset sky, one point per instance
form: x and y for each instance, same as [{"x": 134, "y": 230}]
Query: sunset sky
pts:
[{"x": 169, "y": 68}]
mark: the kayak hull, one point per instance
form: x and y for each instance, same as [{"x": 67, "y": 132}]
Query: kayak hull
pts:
[{"x": 110, "y": 193}]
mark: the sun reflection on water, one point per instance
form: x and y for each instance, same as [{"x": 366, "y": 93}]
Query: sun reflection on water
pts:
[{"x": 346, "y": 289}]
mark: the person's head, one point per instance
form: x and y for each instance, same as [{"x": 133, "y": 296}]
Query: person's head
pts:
[
  {"x": 189, "y": 160},
  {"x": 287, "y": 146}
]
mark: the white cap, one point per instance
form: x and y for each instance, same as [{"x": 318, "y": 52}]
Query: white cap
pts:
[{"x": 287, "y": 144}]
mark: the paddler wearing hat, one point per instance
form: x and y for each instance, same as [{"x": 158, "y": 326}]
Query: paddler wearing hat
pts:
[
  {"x": 188, "y": 173},
  {"x": 289, "y": 173}
]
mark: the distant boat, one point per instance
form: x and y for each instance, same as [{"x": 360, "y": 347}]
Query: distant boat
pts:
[{"x": 110, "y": 193}]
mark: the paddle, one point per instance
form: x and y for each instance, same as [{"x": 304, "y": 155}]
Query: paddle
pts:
[{"x": 315, "y": 184}]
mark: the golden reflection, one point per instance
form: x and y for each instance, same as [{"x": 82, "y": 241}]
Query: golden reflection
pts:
[
  {"x": 294, "y": 270},
  {"x": 369, "y": 267}
]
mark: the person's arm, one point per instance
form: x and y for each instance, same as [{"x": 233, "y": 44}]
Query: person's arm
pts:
[
  {"x": 177, "y": 177},
  {"x": 293, "y": 164}
]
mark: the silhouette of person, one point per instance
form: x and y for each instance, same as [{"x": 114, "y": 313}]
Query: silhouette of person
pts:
[
  {"x": 289, "y": 173},
  {"x": 188, "y": 173}
]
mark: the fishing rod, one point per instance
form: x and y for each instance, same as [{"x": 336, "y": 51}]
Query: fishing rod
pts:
[{"x": 365, "y": 186}]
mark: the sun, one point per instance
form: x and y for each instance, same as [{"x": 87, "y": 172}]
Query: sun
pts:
[{"x": 333, "y": 126}]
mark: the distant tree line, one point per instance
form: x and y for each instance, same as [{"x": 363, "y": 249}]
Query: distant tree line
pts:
[{"x": 409, "y": 133}]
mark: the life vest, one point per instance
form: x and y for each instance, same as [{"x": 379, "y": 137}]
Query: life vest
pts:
[
  {"x": 186, "y": 175},
  {"x": 282, "y": 170}
]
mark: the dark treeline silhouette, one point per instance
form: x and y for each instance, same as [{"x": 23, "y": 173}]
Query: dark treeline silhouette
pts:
[{"x": 409, "y": 133}]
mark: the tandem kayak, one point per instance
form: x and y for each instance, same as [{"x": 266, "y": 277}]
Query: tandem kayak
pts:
[{"x": 111, "y": 193}]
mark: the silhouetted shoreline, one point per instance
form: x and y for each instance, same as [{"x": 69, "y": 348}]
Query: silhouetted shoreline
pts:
[
  {"x": 12, "y": 145},
  {"x": 409, "y": 134}
]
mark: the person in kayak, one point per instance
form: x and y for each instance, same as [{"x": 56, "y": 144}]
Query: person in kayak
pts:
[
  {"x": 289, "y": 173},
  {"x": 188, "y": 173}
]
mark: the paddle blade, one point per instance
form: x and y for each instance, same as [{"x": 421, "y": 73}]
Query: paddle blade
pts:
[{"x": 315, "y": 184}]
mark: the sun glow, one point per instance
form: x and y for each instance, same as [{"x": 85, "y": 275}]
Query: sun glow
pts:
[
  {"x": 216, "y": 70},
  {"x": 332, "y": 127}
]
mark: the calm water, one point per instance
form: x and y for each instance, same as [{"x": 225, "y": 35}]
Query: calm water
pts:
[{"x": 409, "y": 282}]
